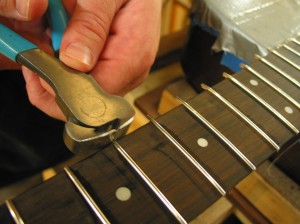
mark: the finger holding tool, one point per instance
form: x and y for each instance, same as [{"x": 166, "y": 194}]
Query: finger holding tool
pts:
[{"x": 93, "y": 116}]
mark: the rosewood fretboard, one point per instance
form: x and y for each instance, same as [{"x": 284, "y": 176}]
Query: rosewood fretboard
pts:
[{"x": 188, "y": 190}]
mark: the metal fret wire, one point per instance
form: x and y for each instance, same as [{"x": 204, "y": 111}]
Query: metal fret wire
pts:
[
  {"x": 291, "y": 50},
  {"x": 188, "y": 156},
  {"x": 90, "y": 201},
  {"x": 278, "y": 70},
  {"x": 218, "y": 133},
  {"x": 281, "y": 56},
  {"x": 14, "y": 212},
  {"x": 148, "y": 181},
  {"x": 242, "y": 115},
  {"x": 272, "y": 85},
  {"x": 264, "y": 103},
  {"x": 295, "y": 41}
]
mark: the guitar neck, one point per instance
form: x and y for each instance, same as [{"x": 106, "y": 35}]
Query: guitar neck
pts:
[{"x": 254, "y": 122}]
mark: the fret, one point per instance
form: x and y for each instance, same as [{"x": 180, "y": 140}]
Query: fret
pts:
[
  {"x": 246, "y": 103},
  {"x": 242, "y": 115},
  {"x": 291, "y": 49},
  {"x": 107, "y": 173},
  {"x": 14, "y": 212},
  {"x": 149, "y": 183},
  {"x": 189, "y": 157},
  {"x": 294, "y": 40},
  {"x": 226, "y": 122},
  {"x": 262, "y": 102},
  {"x": 57, "y": 201},
  {"x": 272, "y": 85},
  {"x": 87, "y": 197},
  {"x": 169, "y": 170},
  {"x": 219, "y": 134},
  {"x": 284, "y": 58},
  {"x": 270, "y": 74},
  {"x": 278, "y": 70}
]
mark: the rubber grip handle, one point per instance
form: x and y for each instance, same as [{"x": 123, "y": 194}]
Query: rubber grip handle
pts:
[
  {"x": 58, "y": 21},
  {"x": 11, "y": 43}
]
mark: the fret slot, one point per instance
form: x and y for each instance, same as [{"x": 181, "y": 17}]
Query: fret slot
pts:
[
  {"x": 219, "y": 134},
  {"x": 272, "y": 85},
  {"x": 284, "y": 58},
  {"x": 149, "y": 183},
  {"x": 188, "y": 156},
  {"x": 242, "y": 115},
  {"x": 14, "y": 212},
  {"x": 90, "y": 201},
  {"x": 262, "y": 102},
  {"x": 291, "y": 49},
  {"x": 278, "y": 70}
]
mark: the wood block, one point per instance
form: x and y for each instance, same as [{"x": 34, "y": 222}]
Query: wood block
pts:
[
  {"x": 216, "y": 213},
  {"x": 179, "y": 88},
  {"x": 267, "y": 200},
  {"x": 148, "y": 103}
]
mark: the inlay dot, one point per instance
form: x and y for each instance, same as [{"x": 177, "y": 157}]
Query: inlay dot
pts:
[
  {"x": 202, "y": 142},
  {"x": 123, "y": 194},
  {"x": 289, "y": 110},
  {"x": 253, "y": 82}
]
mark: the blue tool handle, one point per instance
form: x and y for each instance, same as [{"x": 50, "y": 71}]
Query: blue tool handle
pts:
[
  {"x": 11, "y": 43},
  {"x": 58, "y": 21}
]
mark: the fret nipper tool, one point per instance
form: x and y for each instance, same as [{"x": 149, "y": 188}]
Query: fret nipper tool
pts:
[{"x": 93, "y": 116}]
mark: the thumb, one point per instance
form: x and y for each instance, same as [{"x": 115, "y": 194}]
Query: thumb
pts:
[
  {"x": 87, "y": 32},
  {"x": 23, "y": 9}
]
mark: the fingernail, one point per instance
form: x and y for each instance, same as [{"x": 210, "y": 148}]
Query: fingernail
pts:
[
  {"x": 23, "y": 7},
  {"x": 80, "y": 53}
]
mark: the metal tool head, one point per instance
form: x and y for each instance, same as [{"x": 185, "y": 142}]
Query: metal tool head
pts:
[
  {"x": 92, "y": 115},
  {"x": 109, "y": 115},
  {"x": 84, "y": 141},
  {"x": 116, "y": 115}
]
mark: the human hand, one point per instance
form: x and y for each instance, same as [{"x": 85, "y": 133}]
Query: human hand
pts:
[{"x": 114, "y": 40}]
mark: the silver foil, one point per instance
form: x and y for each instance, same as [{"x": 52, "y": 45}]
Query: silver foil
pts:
[{"x": 248, "y": 27}]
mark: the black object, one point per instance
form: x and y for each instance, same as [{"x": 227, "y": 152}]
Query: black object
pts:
[
  {"x": 30, "y": 141},
  {"x": 200, "y": 64}
]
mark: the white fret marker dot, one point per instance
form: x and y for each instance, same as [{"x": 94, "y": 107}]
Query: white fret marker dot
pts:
[
  {"x": 288, "y": 110},
  {"x": 253, "y": 82},
  {"x": 202, "y": 142},
  {"x": 123, "y": 194}
]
